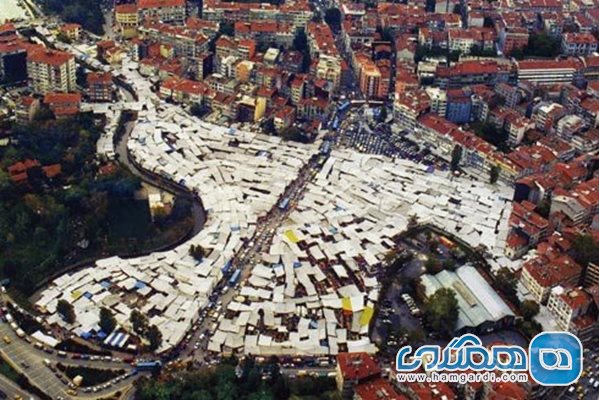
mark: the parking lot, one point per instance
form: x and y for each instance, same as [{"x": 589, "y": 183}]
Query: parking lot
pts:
[
  {"x": 378, "y": 138},
  {"x": 588, "y": 384}
]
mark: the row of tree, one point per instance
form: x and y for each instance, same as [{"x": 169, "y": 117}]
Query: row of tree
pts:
[
  {"x": 87, "y": 13},
  {"x": 233, "y": 380}
]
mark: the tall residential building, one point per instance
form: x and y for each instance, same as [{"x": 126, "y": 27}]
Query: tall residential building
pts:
[
  {"x": 99, "y": 86},
  {"x": 127, "y": 19},
  {"x": 168, "y": 11},
  {"x": 51, "y": 71}
]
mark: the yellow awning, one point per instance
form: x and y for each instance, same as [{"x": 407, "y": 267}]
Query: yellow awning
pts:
[
  {"x": 291, "y": 236},
  {"x": 346, "y": 303},
  {"x": 366, "y": 315},
  {"x": 75, "y": 294}
]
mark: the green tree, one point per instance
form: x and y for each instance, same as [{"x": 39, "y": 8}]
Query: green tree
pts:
[
  {"x": 154, "y": 337},
  {"x": 585, "y": 250},
  {"x": 139, "y": 322},
  {"x": 432, "y": 265},
  {"x": 269, "y": 126},
  {"x": 66, "y": 310},
  {"x": 456, "y": 157},
  {"x": 506, "y": 282},
  {"x": 494, "y": 174},
  {"x": 441, "y": 311},
  {"x": 107, "y": 321},
  {"x": 300, "y": 43},
  {"x": 294, "y": 134},
  {"x": 383, "y": 114},
  {"x": 332, "y": 17},
  {"x": 542, "y": 45},
  {"x": 544, "y": 208},
  {"x": 529, "y": 309},
  {"x": 227, "y": 28},
  {"x": 197, "y": 252}
]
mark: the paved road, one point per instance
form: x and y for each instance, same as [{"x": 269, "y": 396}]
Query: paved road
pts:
[
  {"x": 249, "y": 254},
  {"x": 198, "y": 213},
  {"x": 30, "y": 361},
  {"x": 12, "y": 390}
]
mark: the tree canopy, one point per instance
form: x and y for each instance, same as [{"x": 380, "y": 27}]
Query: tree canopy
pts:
[
  {"x": 332, "y": 16},
  {"x": 107, "y": 321},
  {"x": 154, "y": 337},
  {"x": 494, "y": 174},
  {"x": 456, "y": 157},
  {"x": 87, "y": 13},
  {"x": 66, "y": 310},
  {"x": 441, "y": 311},
  {"x": 251, "y": 382},
  {"x": 139, "y": 322},
  {"x": 585, "y": 250},
  {"x": 539, "y": 45},
  {"x": 84, "y": 210}
]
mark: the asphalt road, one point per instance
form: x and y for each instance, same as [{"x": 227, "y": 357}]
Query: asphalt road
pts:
[
  {"x": 30, "y": 361},
  {"x": 12, "y": 390},
  {"x": 198, "y": 213}
]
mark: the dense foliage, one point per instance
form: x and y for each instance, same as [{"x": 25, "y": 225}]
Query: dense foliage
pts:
[
  {"x": 83, "y": 212},
  {"x": 87, "y": 13},
  {"x": 247, "y": 381},
  {"x": 539, "y": 45},
  {"x": 441, "y": 311}
]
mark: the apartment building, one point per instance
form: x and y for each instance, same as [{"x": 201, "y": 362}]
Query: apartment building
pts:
[
  {"x": 99, "y": 86},
  {"x": 578, "y": 44},
  {"x": 567, "y": 304},
  {"x": 167, "y": 11},
  {"x": 51, "y": 71},
  {"x": 549, "y": 71},
  {"x": 127, "y": 19},
  {"x": 542, "y": 274}
]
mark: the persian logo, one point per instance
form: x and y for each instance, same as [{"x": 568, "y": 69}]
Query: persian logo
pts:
[{"x": 553, "y": 359}]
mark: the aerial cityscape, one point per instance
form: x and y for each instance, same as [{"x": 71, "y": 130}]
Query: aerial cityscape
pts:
[{"x": 299, "y": 199}]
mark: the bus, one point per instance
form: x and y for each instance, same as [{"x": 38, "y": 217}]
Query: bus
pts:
[
  {"x": 284, "y": 203},
  {"x": 326, "y": 147},
  {"x": 148, "y": 365},
  {"x": 335, "y": 124},
  {"x": 235, "y": 278}
]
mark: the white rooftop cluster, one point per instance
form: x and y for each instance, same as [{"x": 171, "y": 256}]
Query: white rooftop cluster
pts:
[
  {"x": 316, "y": 290},
  {"x": 239, "y": 177}
]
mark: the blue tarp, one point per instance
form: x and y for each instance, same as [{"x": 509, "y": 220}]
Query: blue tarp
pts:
[
  {"x": 140, "y": 285},
  {"x": 105, "y": 284}
]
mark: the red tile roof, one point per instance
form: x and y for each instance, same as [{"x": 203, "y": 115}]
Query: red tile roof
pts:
[
  {"x": 377, "y": 389},
  {"x": 51, "y": 57},
  {"x": 160, "y": 3},
  {"x": 126, "y": 9},
  {"x": 62, "y": 98},
  {"x": 357, "y": 366}
]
